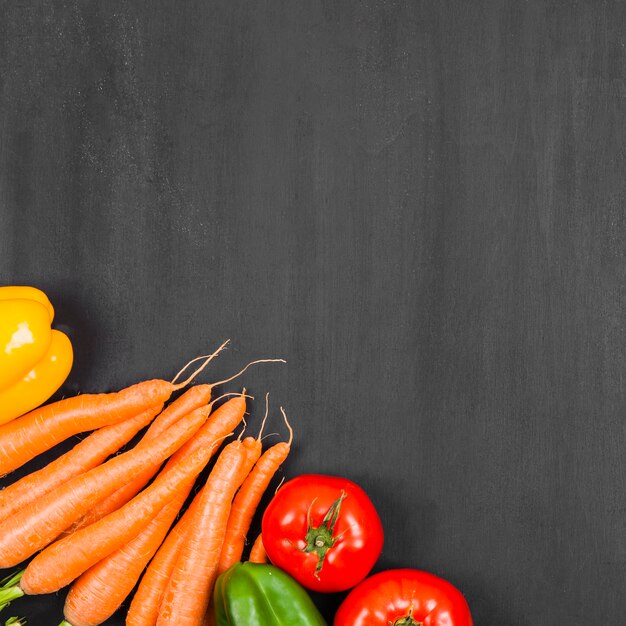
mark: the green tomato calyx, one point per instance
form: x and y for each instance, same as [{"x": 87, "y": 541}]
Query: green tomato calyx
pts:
[{"x": 320, "y": 539}]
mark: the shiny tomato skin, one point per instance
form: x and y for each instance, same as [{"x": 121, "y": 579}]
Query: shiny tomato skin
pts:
[
  {"x": 302, "y": 503},
  {"x": 392, "y": 596}
]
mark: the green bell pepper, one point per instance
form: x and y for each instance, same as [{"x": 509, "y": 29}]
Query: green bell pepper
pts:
[{"x": 258, "y": 594}]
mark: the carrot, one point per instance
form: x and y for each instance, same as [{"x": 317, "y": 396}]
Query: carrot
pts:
[
  {"x": 124, "y": 494},
  {"x": 253, "y": 452},
  {"x": 257, "y": 552},
  {"x": 85, "y": 455},
  {"x": 24, "y": 438},
  {"x": 190, "y": 586},
  {"x": 41, "y": 521},
  {"x": 99, "y": 592},
  {"x": 248, "y": 498},
  {"x": 144, "y": 607},
  {"x": 66, "y": 559},
  {"x": 192, "y": 399}
]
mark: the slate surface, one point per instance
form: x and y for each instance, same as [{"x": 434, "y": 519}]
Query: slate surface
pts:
[{"x": 420, "y": 205}]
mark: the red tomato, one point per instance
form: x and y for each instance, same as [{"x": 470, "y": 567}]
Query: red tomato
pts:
[
  {"x": 404, "y": 597},
  {"x": 324, "y": 531}
]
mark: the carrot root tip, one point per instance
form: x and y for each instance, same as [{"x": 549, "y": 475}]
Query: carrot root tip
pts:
[
  {"x": 207, "y": 359},
  {"x": 267, "y": 410},
  {"x": 288, "y": 426},
  {"x": 240, "y": 372}
]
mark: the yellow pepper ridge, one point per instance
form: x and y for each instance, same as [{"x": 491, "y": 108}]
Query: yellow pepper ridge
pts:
[{"x": 35, "y": 359}]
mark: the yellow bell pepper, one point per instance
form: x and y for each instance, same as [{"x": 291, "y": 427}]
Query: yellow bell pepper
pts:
[{"x": 34, "y": 358}]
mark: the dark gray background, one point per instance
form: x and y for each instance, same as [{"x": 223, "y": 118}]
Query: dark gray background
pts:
[{"x": 420, "y": 205}]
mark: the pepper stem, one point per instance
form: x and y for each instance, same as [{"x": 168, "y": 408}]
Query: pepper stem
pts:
[{"x": 320, "y": 539}]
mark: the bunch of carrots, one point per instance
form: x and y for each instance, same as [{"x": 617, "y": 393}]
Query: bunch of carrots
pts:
[{"x": 102, "y": 520}]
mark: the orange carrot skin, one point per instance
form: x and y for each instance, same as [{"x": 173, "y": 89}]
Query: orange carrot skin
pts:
[
  {"x": 66, "y": 559},
  {"x": 188, "y": 593},
  {"x": 100, "y": 591},
  {"x": 144, "y": 607},
  {"x": 253, "y": 450},
  {"x": 63, "y": 561},
  {"x": 24, "y": 438},
  {"x": 246, "y": 502},
  {"x": 231, "y": 413},
  {"x": 257, "y": 552},
  {"x": 41, "y": 521},
  {"x": 194, "y": 398},
  {"x": 85, "y": 455}
]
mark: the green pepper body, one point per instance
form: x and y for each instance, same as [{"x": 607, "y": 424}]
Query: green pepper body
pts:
[{"x": 258, "y": 594}]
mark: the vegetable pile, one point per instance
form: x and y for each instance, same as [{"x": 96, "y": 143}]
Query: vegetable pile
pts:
[{"x": 117, "y": 522}]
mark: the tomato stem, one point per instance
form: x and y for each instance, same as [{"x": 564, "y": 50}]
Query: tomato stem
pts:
[
  {"x": 407, "y": 620},
  {"x": 320, "y": 539}
]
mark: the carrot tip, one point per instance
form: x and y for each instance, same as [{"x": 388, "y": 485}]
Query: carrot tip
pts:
[
  {"x": 229, "y": 394},
  {"x": 240, "y": 372},
  {"x": 243, "y": 430},
  {"x": 288, "y": 426},
  {"x": 280, "y": 484},
  {"x": 208, "y": 358},
  {"x": 270, "y": 435},
  {"x": 267, "y": 410}
]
